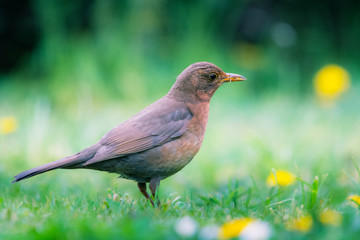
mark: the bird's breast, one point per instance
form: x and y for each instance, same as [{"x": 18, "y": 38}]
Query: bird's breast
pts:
[
  {"x": 197, "y": 124},
  {"x": 176, "y": 154},
  {"x": 185, "y": 148}
]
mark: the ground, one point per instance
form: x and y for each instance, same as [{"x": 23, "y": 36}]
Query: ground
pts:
[{"x": 247, "y": 140}]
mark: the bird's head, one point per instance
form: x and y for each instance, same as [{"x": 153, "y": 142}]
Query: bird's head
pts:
[{"x": 201, "y": 80}]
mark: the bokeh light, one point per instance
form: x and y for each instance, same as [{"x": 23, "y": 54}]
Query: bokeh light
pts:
[
  {"x": 330, "y": 217},
  {"x": 301, "y": 224},
  {"x": 234, "y": 227},
  {"x": 8, "y": 125},
  {"x": 282, "y": 178},
  {"x": 331, "y": 82}
]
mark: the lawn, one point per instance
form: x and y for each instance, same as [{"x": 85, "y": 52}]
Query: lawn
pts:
[{"x": 248, "y": 138}]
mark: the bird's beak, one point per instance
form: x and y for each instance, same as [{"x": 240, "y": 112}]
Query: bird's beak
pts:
[{"x": 231, "y": 77}]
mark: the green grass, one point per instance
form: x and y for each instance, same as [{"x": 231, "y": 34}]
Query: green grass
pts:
[
  {"x": 78, "y": 84},
  {"x": 245, "y": 140}
]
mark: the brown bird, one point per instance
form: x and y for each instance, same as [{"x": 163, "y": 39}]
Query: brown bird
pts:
[{"x": 158, "y": 141}]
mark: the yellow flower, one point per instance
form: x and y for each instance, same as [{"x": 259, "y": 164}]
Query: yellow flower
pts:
[
  {"x": 233, "y": 228},
  {"x": 330, "y": 217},
  {"x": 8, "y": 125},
  {"x": 331, "y": 81},
  {"x": 301, "y": 224},
  {"x": 354, "y": 198},
  {"x": 284, "y": 178}
]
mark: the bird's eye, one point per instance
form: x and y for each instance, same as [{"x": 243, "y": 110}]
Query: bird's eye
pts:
[{"x": 213, "y": 76}]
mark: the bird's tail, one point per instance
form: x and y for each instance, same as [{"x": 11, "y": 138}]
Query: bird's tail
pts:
[
  {"x": 62, "y": 163},
  {"x": 74, "y": 161}
]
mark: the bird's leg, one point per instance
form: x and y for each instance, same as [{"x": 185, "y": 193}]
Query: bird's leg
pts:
[
  {"x": 142, "y": 188},
  {"x": 154, "y": 186}
]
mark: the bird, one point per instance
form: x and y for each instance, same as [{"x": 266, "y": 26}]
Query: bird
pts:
[{"x": 158, "y": 141}]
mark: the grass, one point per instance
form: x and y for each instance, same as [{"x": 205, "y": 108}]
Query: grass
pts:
[
  {"x": 80, "y": 83},
  {"x": 246, "y": 139}
]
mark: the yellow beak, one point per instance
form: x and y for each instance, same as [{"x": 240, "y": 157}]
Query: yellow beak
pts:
[{"x": 231, "y": 77}]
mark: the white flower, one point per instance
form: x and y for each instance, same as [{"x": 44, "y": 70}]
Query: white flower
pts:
[
  {"x": 186, "y": 227},
  {"x": 209, "y": 232},
  {"x": 257, "y": 230}
]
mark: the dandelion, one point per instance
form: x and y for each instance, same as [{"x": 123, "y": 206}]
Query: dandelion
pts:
[
  {"x": 186, "y": 227},
  {"x": 234, "y": 228},
  {"x": 330, "y": 217},
  {"x": 354, "y": 198},
  {"x": 283, "y": 178},
  {"x": 331, "y": 81},
  {"x": 209, "y": 232},
  {"x": 257, "y": 230},
  {"x": 301, "y": 224},
  {"x": 8, "y": 125}
]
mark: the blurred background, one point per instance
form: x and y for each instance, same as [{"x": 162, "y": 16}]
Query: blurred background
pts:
[
  {"x": 71, "y": 70},
  {"x": 67, "y": 47}
]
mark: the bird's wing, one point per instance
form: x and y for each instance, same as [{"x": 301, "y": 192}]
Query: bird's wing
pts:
[{"x": 143, "y": 132}]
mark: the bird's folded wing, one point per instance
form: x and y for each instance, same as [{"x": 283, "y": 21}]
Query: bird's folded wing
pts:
[{"x": 142, "y": 133}]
